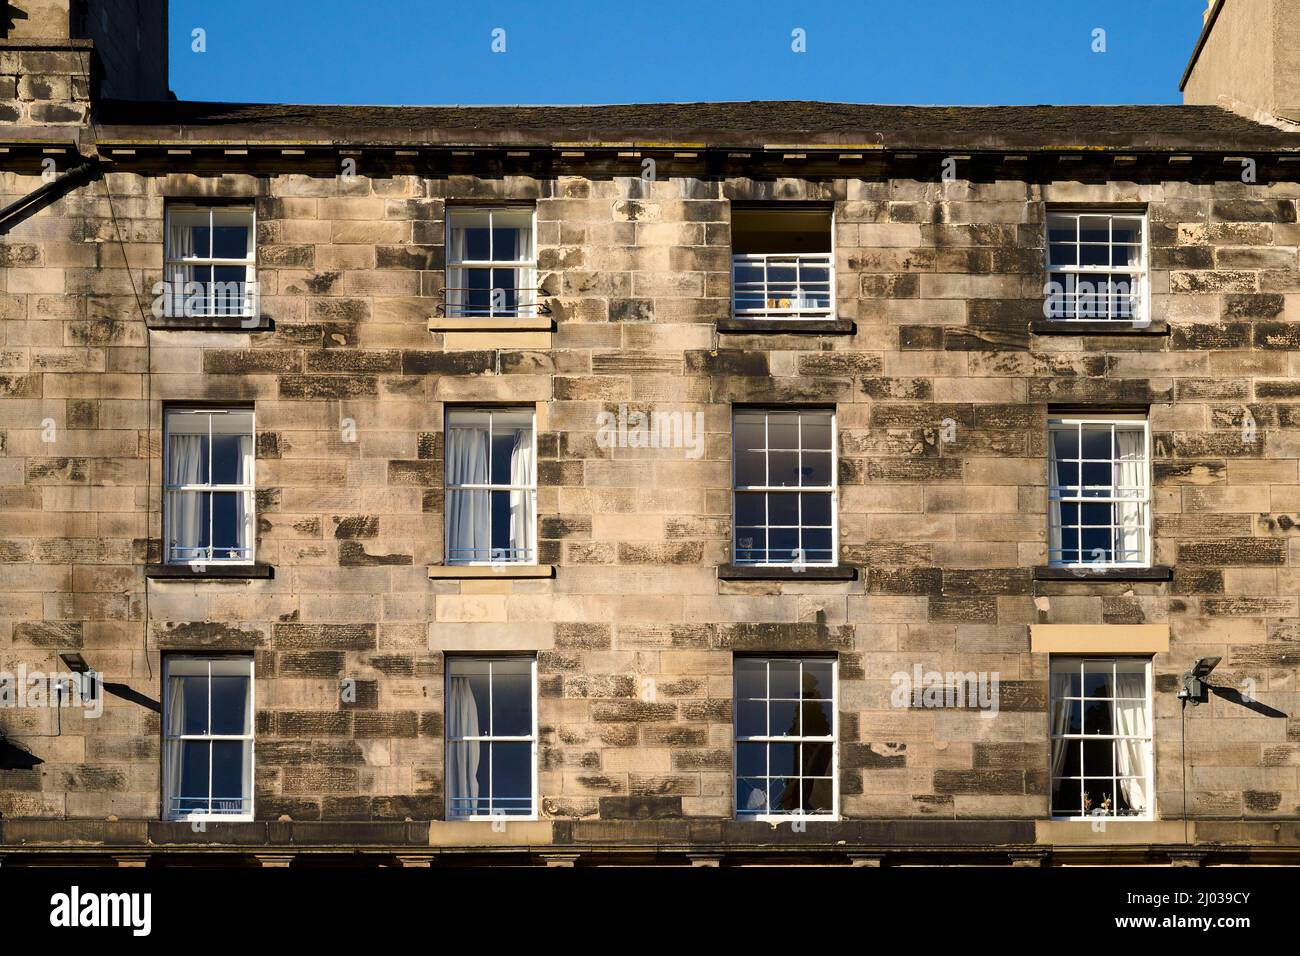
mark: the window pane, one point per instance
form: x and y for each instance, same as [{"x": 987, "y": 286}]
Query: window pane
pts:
[
  {"x": 230, "y": 712},
  {"x": 512, "y": 772},
  {"x": 751, "y": 796},
  {"x": 1097, "y": 717},
  {"x": 191, "y": 790},
  {"x": 816, "y": 469},
  {"x": 231, "y": 232},
  {"x": 818, "y": 796},
  {"x": 783, "y": 469},
  {"x": 751, "y": 677},
  {"x": 1066, "y": 800},
  {"x": 228, "y": 774},
  {"x": 512, "y": 698},
  {"x": 817, "y": 431},
  {"x": 817, "y": 718},
  {"x": 469, "y": 771},
  {"x": 818, "y": 680},
  {"x": 228, "y": 459},
  {"x": 1098, "y": 758},
  {"x": 784, "y": 676},
  {"x": 468, "y": 699},
  {"x": 783, "y": 430},
  {"x": 229, "y": 527},
  {"x": 783, "y": 718},
  {"x": 194, "y": 699},
  {"x": 751, "y": 759},
  {"x": 751, "y": 718},
  {"x": 1097, "y": 678},
  {"x": 188, "y": 235}
]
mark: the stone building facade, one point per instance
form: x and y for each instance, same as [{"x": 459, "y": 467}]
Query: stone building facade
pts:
[{"x": 946, "y": 382}]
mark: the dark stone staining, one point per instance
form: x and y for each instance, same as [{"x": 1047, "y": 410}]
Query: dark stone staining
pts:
[
  {"x": 57, "y": 471},
  {"x": 964, "y": 609},
  {"x": 905, "y": 580},
  {"x": 422, "y": 473},
  {"x": 356, "y": 526},
  {"x": 1254, "y": 210},
  {"x": 250, "y": 361},
  {"x": 328, "y": 386},
  {"x": 1261, "y": 801},
  {"x": 979, "y": 781},
  {"x": 1230, "y": 552},
  {"x": 208, "y": 634},
  {"x": 353, "y": 361},
  {"x": 789, "y": 636},
  {"x": 57, "y": 634},
  {"x": 429, "y": 446},
  {"x": 352, "y": 554},
  {"x": 726, "y": 362},
  {"x": 873, "y": 756},
  {"x": 310, "y": 664},
  {"x": 448, "y": 363},
  {"x": 640, "y": 807},
  {"x": 338, "y": 636}
]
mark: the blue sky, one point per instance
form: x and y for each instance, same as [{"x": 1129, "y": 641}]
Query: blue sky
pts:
[{"x": 581, "y": 51}]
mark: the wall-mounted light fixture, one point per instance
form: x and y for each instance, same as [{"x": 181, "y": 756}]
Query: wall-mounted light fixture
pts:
[
  {"x": 1194, "y": 680},
  {"x": 88, "y": 677}
]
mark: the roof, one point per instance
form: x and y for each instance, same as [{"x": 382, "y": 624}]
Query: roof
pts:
[{"x": 750, "y": 124}]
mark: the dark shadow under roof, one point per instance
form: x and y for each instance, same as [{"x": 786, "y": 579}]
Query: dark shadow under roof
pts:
[{"x": 747, "y": 124}]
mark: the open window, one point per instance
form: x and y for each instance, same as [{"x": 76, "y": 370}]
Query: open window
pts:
[{"x": 782, "y": 264}]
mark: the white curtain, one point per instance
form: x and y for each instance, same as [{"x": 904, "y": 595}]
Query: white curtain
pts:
[
  {"x": 244, "y": 501},
  {"x": 1131, "y": 721},
  {"x": 184, "y": 514},
  {"x": 523, "y": 528},
  {"x": 180, "y": 245},
  {"x": 462, "y": 757},
  {"x": 1054, "y": 480},
  {"x": 175, "y": 748},
  {"x": 469, "y": 513},
  {"x": 1060, "y": 720},
  {"x": 1130, "y": 476}
]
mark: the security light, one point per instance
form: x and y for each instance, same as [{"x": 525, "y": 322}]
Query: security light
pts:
[
  {"x": 1194, "y": 680},
  {"x": 89, "y": 684},
  {"x": 1204, "y": 665},
  {"x": 74, "y": 662}
]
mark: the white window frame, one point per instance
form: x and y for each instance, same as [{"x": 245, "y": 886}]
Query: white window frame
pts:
[
  {"x": 833, "y": 488},
  {"x": 768, "y": 739},
  {"x": 172, "y": 264},
  {"x": 794, "y": 312},
  {"x": 250, "y": 738},
  {"x": 250, "y": 490},
  {"x": 1149, "y": 752},
  {"x": 532, "y": 739},
  {"x": 526, "y": 294},
  {"x": 1139, "y": 275},
  {"x": 1061, "y": 423},
  {"x": 448, "y": 488}
]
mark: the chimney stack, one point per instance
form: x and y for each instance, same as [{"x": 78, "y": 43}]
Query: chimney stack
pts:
[
  {"x": 1248, "y": 60},
  {"x": 59, "y": 56}
]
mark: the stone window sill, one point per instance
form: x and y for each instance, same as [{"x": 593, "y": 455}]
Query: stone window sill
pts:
[
  {"x": 210, "y": 572},
  {"x": 761, "y": 572},
  {"x": 212, "y": 323},
  {"x": 787, "y": 326},
  {"x": 1158, "y": 572},
  {"x": 535, "y": 323},
  {"x": 1051, "y": 327},
  {"x": 451, "y": 572}
]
